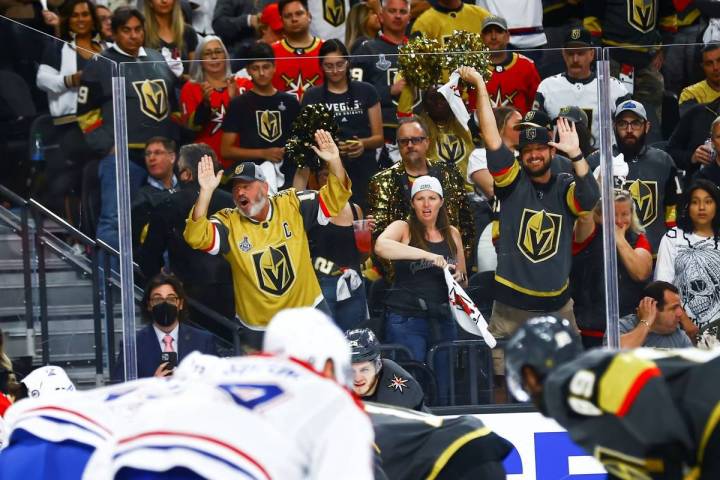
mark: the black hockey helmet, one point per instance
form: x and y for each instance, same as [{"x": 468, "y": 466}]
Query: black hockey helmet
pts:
[
  {"x": 364, "y": 345},
  {"x": 542, "y": 343}
]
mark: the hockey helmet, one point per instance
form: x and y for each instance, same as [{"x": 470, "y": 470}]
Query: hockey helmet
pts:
[
  {"x": 309, "y": 335},
  {"x": 542, "y": 343},
  {"x": 47, "y": 380},
  {"x": 364, "y": 345}
]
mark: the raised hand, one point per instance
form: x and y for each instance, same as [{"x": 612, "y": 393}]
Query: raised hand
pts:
[
  {"x": 471, "y": 76},
  {"x": 568, "y": 142},
  {"x": 326, "y": 148},
  {"x": 207, "y": 178}
]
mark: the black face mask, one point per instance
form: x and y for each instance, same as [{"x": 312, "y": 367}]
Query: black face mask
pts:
[{"x": 164, "y": 314}]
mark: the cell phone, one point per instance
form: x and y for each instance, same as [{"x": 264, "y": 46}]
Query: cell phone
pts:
[{"x": 170, "y": 358}]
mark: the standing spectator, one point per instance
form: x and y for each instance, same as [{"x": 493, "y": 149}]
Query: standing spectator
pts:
[
  {"x": 165, "y": 311},
  {"x": 59, "y": 75},
  {"x": 161, "y": 183},
  {"x": 652, "y": 178},
  {"x": 707, "y": 90},
  {"x": 235, "y": 22},
  {"x": 167, "y": 32},
  {"x": 337, "y": 261},
  {"x": 514, "y": 78},
  {"x": 363, "y": 24},
  {"x": 104, "y": 18},
  {"x": 417, "y": 312},
  {"x": 538, "y": 209},
  {"x": 264, "y": 238},
  {"x": 687, "y": 143},
  {"x": 446, "y": 16},
  {"x": 656, "y": 323},
  {"x": 577, "y": 86},
  {"x": 206, "y": 278},
  {"x": 389, "y": 191},
  {"x": 356, "y": 110},
  {"x": 206, "y": 97},
  {"x": 376, "y": 63},
  {"x": 525, "y": 19},
  {"x": 296, "y": 65},
  {"x": 689, "y": 256},
  {"x": 637, "y": 66},
  {"x": 150, "y": 97},
  {"x": 634, "y": 267},
  {"x": 261, "y": 138}
]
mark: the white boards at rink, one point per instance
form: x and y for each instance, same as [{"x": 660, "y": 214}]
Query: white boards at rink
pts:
[{"x": 543, "y": 450}]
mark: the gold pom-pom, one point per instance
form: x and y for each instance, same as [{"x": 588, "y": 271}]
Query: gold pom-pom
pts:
[
  {"x": 302, "y": 135},
  {"x": 467, "y": 49},
  {"x": 421, "y": 62}
]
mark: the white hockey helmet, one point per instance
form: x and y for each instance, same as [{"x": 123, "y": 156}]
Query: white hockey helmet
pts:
[
  {"x": 47, "y": 380},
  {"x": 311, "y": 336}
]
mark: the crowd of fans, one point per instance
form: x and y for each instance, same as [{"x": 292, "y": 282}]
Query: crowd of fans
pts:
[{"x": 509, "y": 185}]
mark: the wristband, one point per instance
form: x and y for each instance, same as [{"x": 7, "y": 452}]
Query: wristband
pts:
[{"x": 577, "y": 158}]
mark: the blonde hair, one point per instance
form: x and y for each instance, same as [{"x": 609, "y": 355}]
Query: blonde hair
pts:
[
  {"x": 5, "y": 361},
  {"x": 355, "y": 25},
  {"x": 152, "y": 37},
  {"x": 624, "y": 196}
]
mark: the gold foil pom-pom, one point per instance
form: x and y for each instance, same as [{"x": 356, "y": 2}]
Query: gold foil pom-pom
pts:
[
  {"x": 467, "y": 49},
  {"x": 421, "y": 62},
  {"x": 302, "y": 135}
]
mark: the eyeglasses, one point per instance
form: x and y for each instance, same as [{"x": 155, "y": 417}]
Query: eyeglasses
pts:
[
  {"x": 635, "y": 124},
  {"x": 150, "y": 153},
  {"x": 103, "y": 19},
  {"x": 335, "y": 67},
  {"x": 218, "y": 52},
  {"x": 404, "y": 142},
  {"x": 157, "y": 300}
]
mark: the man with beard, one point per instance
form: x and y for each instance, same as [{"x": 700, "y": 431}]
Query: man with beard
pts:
[
  {"x": 652, "y": 177},
  {"x": 643, "y": 413},
  {"x": 264, "y": 238},
  {"x": 538, "y": 211}
]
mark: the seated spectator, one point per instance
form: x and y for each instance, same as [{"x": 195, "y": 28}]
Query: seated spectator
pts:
[
  {"x": 362, "y": 24},
  {"x": 258, "y": 122},
  {"x": 337, "y": 260},
  {"x": 381, "y": 380},
  {"x": 689, "y": 257},
  {"x": 167, "y": 32},
  {"x": 514, "y": 79},
  {"x": 161, "y": 183},
  {"x": 707, "y": 90},
  {"x": 104, "y": 18},
  {"x": 206, "y": 96},
  {"x": 417, "y": 311},
  {"x": 710, "y": 171},
  {"x": 356, "y": 110},
  {"x": 656, "y": 322},
  {"x": 165, "y": 311},
  {"x": 634, "y": 267}
]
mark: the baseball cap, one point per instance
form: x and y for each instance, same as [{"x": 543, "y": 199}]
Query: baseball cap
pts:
[
  {"x": 533, "y": 135},
  {"x": 574, "y": 114},
  {"x": 426, "y": 182},
  {"x": 247, "y": 171},
  {"x": 535, "y": 118},
  {"x": 494, "y": 20},
  {"x": 270, "y": 16},
  {"x": 578, "y": 37},
  {"x": 631, "y": 106}
]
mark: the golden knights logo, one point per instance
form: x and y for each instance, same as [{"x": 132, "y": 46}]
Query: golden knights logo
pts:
[
  {"x": 539, "y": 234},
  {"x": 153, "y": 96},
  {"x": 450, "y": 148},
  {"x": 641, "y": 14},
  {"x": 575, "y": 33},
  {"x": 274, "y": 270},
  {"x": 334, "y": 12},
  {"x": 626, "y": 466},
  {"x": 268, "y": 123},
  {"x": 645, "y": 194}
]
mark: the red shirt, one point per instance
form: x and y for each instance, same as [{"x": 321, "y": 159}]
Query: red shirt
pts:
[
  {"x": 514, "y": 83},
  {"x": 297, "y": 69},
  {"x": 209, "y": 130},
  {"x": 4, "y": 404}
]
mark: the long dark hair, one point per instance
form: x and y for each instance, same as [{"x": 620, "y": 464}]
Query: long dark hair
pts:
[
  {"x": 157, "y": 281},
  {"x": 685, "y": 222},
  {"x": 418, "y": 230},
  {"x": 66, "y": 12},
  {"x": 336, "y": 46}
]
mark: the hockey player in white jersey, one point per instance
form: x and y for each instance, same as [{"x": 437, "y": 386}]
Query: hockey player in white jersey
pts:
[{"x": 301, "y": 389}]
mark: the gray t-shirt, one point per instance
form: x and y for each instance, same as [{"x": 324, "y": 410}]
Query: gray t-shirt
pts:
[{"x": 677, "y": 339}]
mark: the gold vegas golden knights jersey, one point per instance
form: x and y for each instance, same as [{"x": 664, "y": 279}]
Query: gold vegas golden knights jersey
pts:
[{"x": 270, "y": 260}]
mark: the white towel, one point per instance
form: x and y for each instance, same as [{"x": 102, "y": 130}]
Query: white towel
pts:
[
  {"x": 350, "y": 276},
  {"x": 465, "y": 312},
  {"x": 275, "y": 178},
  {"x": 452, "y": 94}
]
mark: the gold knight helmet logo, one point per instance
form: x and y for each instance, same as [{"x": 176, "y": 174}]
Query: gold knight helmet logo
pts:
[
  {"x": 153, "y": 98},
  {"x": 575, "y": 33},
  {"x": 274, "y": 270},
  {"x": 539, "y": 234},
  {"x": 334, "y": 12},
  {"x": 269, "y": 126},
  {"x": 645, "y": 195},
  {"x": 451, "y": 148},
  {"x": 641, "y": 14}
]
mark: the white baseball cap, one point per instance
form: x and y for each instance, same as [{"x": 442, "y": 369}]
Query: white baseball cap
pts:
[
  {"x": 47, "y": 380},
  {"x": 426, "y": 182}
]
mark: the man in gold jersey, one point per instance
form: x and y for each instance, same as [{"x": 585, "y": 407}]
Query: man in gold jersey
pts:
[
  {"x": 441, "y": 20},
  {"x": 264, "y": 237}
]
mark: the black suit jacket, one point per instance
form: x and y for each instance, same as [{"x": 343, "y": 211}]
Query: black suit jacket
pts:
[{"x": 190, "y": 339}]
